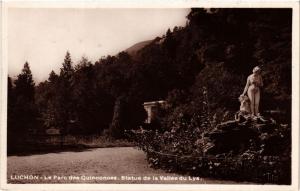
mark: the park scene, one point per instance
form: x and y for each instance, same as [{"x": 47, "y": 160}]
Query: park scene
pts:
[{"x": 205, "y": 101}]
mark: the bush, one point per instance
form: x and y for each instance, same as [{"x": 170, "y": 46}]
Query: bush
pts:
[
  {"x": 184, "y": 151},
  {"x": 193, "y": 142}
]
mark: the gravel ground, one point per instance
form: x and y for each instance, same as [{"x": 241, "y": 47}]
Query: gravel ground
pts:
[{"x": 103, "y": 165}]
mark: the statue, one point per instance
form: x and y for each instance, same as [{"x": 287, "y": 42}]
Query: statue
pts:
[
  {"x": 253, "y": 88},
  {"x": 245, "y": 112}
]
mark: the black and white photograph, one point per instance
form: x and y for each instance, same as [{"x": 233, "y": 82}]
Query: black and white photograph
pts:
[{"x": 198, "y": 95}]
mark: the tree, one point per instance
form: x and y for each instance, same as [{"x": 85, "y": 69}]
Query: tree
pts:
[
  {"x": 47, "y": 100},
  {"x": 170, "y": 44},
  {"x": 67, "y": 70},
  {"x": 116, "y": 129},
  {"x": 21, "y": 107},
  {"x": 11, "y": 126},
  {"x": 84, "y": 97},
  {"x": 25, "y": 85},
  {"x": 53, "y": 77},
  {"x": 64, "y": 105}
]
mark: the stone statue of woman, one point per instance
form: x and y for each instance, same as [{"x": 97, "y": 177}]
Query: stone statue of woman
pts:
[{"x": 253, "y": 86}]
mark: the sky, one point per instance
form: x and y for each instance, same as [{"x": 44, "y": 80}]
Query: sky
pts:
[{"x": 42, "y": 36}]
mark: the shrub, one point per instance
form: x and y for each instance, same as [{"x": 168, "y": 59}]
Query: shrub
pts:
[{"x": 196, "y": 142}]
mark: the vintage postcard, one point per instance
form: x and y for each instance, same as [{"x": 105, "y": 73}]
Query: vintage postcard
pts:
[{"x": 175, "y": 95}]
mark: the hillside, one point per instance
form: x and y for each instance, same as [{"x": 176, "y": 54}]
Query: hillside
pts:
[
  {"x": 132, "y": 51},
  {"x": 218, "y": 51},
  {"x": 201, "y": 70}
]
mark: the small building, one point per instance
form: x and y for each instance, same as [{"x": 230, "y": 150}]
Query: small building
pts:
[{"x": 151, "y": 109}]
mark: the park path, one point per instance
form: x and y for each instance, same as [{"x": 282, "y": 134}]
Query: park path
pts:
[{"x": 91, "y": 166}]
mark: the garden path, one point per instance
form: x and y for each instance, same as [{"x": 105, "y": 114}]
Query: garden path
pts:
[{"x": 97, "y": 163}]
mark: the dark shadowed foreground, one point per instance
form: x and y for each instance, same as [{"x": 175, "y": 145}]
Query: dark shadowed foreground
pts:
[{"x": 103, "y": 165}]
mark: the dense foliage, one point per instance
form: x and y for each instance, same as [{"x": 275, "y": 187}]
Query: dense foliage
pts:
[
  {"x": 250, "y": 150},
  {"x": 199, "y": 69},
  {"x": 20, "y": 106}
]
